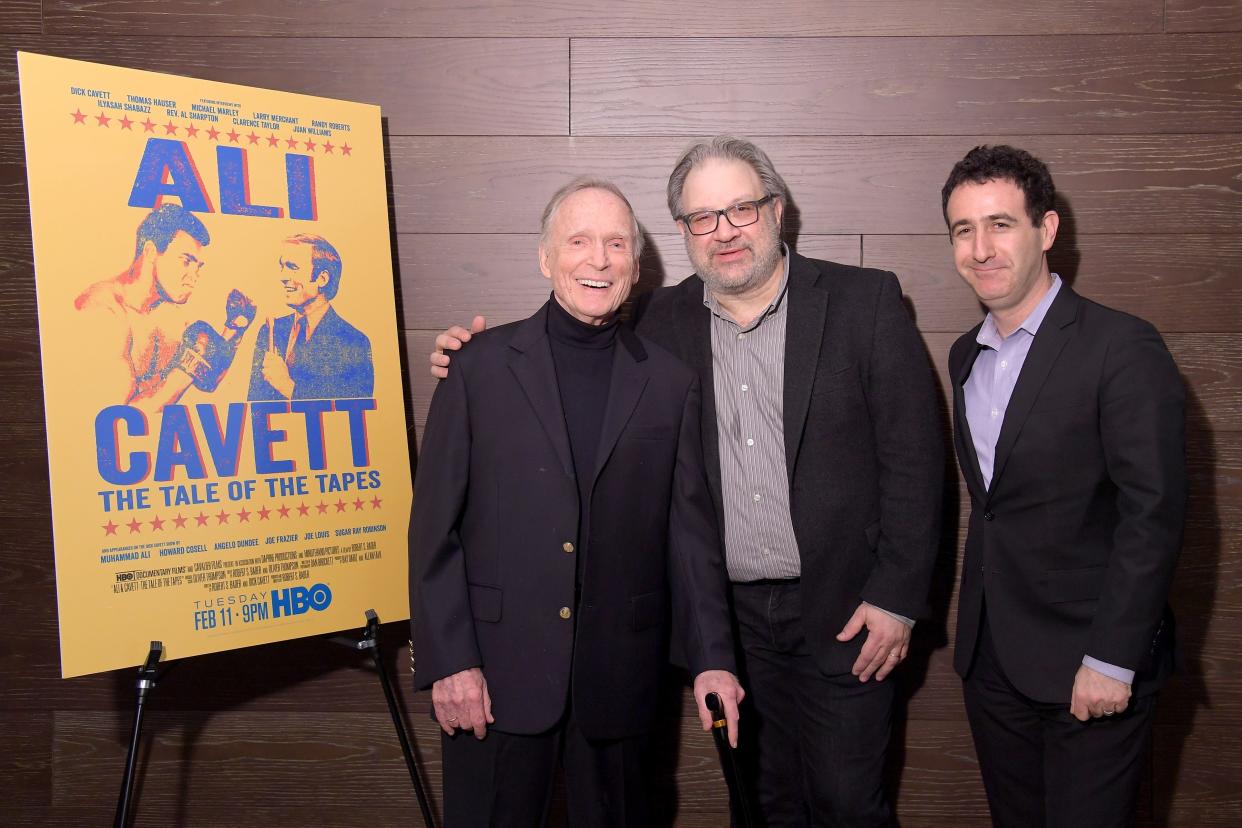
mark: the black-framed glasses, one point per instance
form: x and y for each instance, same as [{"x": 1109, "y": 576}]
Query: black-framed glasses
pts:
[{"x": 742, "y": 214}]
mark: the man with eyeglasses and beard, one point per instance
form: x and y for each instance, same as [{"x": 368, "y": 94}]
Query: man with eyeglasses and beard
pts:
[{"x": 826, "y": 465}]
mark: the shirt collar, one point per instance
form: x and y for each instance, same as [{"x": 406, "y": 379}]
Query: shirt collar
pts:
[
  {"x": 990, "y": 337},
  {"x": 709, "y": 300}
]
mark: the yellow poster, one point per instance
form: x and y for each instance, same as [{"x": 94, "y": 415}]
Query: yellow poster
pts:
[{"x": 225, "y": 420}]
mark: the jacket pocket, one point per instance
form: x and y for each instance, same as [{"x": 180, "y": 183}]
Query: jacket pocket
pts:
[
  {"x": 485, "y": 602},
  {"x": 1065, "y": 585},
  {"x": 647, "y": 610},
  {"x": 651, "y": 433}
]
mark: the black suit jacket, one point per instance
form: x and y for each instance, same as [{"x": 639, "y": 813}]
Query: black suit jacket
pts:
[
  {"x": 863, "y": 449},
  {"x": 494, "y": 537},
  {"x": 1073, "y": 544}
]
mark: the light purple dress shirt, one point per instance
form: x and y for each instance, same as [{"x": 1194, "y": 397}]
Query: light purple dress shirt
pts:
[{"x": 987, "y": 392}]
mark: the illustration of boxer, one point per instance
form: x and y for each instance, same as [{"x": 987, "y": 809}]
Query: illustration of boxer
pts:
[{"x": 139, "y": 340}]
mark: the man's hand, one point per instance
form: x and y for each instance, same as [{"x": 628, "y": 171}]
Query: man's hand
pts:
[
  {"x": 1096, "y": 694},
  {"x": 724, "y": 684},
  {"x": 461, "y": 701},
  {"x": 451, "y": 340},
  {"x": 888, "y": 640},
  {"x": 276, "y": 372}
]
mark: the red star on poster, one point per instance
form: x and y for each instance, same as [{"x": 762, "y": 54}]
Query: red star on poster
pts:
[
  {"x": 191, "y": 131},
  {"x": 254, "y": 139},
  {"x": 243, "y": 515},
  {"x": 375, "y": 502},
  {"x": 233, "y": 135},
  {"x": 310, "y": 146},
  {"x": 327, "y": 147},
  {"x": 358, "y": 504},
  {"x": 273, "y": 141},
  {"x": 135, "y": 526},
  {"x": 126, "y": 123},
  {"x": 170, "y": 128},
  {"x": 264, "y": 513},
  {"x": 103, "y": 120},
  {"x": 110, "y": 528},
  {"x": 283, "y": 510},
  {"x": 157, "y": 523},
  {"x": 223, "y": 517},
  {"x": 213, "y": 133},
  {"x": 291, "y": 143},
  {"x": 79, "y": 117},
  {"x": 303, "y": 510},
  {"x": 322, "y": 507},
  {"x": 200, "y": 519},
  {"x": 179, "y": 521},
  {"x": 148, "y": 125},
  {"x": 340, "y": 505},
  {"x": 346, "y": 149}
]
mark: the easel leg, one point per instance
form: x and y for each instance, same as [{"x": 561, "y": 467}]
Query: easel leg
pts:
[
  {"x": 370, "y": 641},
  {"x": 144, "y": 684}
]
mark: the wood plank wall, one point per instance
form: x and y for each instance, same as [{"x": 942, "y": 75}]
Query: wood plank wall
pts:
[{"x": 864, "y": 105}]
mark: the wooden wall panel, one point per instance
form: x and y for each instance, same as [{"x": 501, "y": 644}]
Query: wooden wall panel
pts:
[
  {"x": 22, "y": 16},
  {"x": 1203, "y": 15},
  {"x": 899, "y": 86},
  {"x": 840, "y": 185},
  {"x": 1176, "y": 282},
  {"x": 511, "y": 86},
  {"x": 635, "y": 18}
]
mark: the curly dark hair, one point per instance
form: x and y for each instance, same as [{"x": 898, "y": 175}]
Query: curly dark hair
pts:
[{"x": 1004, "y": 163}]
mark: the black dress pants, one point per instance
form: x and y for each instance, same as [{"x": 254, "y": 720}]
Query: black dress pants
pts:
[
  {"x": 1041, "y": 766},
  {"x": 505, "y": 780},
  {"x": 816, "y": 742}
]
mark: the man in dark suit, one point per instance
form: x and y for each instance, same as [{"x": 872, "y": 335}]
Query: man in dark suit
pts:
[
  {"x": 312, "y": 353},
  {"x": 561, "y": 521},
  {"x": 1068, "y": 423},
  {"x": 825, "y": 466}
]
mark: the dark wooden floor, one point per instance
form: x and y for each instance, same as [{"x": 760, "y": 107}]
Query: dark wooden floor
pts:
[{"x": 864, "y": 105}]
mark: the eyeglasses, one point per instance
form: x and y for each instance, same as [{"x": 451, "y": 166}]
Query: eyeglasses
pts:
[{"x": 742, "y": 214}]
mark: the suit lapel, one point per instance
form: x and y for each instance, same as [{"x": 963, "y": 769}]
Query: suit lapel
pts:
[
  {"x": 806, "y": 309},
  {"x": 966, "y": 442},
  {"x": 1053, "y": 333},
  {"x": 695, "y": 336},
  {"x": 629, "y": 378},
  {"x": 532, "y": 365}
]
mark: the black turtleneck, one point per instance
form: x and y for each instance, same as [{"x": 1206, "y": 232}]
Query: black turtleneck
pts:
[{"x": 582, "y": 354}]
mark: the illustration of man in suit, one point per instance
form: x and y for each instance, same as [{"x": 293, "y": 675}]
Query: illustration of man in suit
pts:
[
  {"x": 562, "y": 524},
  {"x": 825, "y": 466},
  {"x": 1068, "y": 425},
  {"x": 315, "y": 354},
  {"x": 139, "y": 339}
]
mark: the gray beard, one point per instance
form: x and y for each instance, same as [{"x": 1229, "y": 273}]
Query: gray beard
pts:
[{"x": 758, "y": 273}]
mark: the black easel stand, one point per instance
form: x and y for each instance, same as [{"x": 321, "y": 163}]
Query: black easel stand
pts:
[
  {"x": 146, "y": 681},
  {"x": 728, "y": 762},
  {"x": 370, "y": 641}
]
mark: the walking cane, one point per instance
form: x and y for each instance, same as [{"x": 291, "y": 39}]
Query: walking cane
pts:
[{"x": 728, "y": 763}]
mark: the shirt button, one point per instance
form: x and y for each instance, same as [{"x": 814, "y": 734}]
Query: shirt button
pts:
[
  {"x": 1004, "y": 363},
  {"x": 757, "y": 497},
  {"x": 741, "y": 336},
  {"x": 745, "y": 387},
  {"x": 995, "y": 412},
  {"x": 567, "y": 546},
  {"x": 750, "y": 441},
  {"x": 565, "y": 613}
]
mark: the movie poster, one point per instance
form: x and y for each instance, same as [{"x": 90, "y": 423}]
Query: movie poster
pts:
[{"x": 225, "y": 420}]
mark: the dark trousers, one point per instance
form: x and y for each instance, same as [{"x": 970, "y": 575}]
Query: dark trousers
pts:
[
  {"x": 815, "y": 742},
  {"x": 1043, "y": 767},
  {"x": 505, "y": 780}
]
